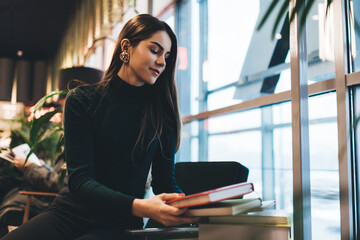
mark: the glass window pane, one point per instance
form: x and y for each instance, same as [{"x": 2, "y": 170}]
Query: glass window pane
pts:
[
  {"x": 235, "y": 121},
  {"x": 357, "y": 144},
  {"x": 242, "y": 147},
  {"x": 228, "y": 43},
  {"x": 320, "y": 42},
  {"x": 222, "y": 99},
  {"x": 354, "y": 28},
  {"x": 324, "y": 170},
  {"x": 253, "y": 63},
  {"x": 323, "y": 106},
  {"x": 283, "y": 168},
  {"x": 282, "y": 113},
  {"x": 194, "y": 149}
]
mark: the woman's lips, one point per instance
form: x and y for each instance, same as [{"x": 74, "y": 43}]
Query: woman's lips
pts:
[{"x": 155, "y": 71}]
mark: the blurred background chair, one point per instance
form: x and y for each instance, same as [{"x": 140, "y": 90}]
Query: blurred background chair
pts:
[{"x": 194, "y": 177}]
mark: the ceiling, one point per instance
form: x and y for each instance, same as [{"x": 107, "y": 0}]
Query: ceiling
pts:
[{"x": 33, "y": 26}]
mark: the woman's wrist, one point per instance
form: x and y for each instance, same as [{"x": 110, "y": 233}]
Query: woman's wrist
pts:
[{"x": 137, "y": 207}]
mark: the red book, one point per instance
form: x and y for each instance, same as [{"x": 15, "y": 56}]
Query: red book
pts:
[{"x": 211, "y": 196}]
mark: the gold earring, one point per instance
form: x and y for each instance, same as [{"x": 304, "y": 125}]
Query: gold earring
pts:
[{"x": 124, "y": 56}]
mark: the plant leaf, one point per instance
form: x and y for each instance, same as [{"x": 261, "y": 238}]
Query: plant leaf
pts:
[
  {"x": 42, "y": 101},
  {"x": 328, "y": 3},
  {"x": 356, "y": 122},
  {"x": 44, "y": 136},
  {"x": 38, "y": 124},
  {"x": 267, "y": 13},
  {"x": 279, "y": 17},
  {"x": 296, "y": 10},
  {"x": 305, "y": 14}
]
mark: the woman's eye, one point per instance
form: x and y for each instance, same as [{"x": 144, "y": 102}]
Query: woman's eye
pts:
[{"x": 154, "y": 51}]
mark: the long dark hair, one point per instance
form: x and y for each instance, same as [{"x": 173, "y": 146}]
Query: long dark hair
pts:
[{"x": 162, "y": 110}]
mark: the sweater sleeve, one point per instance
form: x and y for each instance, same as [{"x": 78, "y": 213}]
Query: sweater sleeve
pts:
[
  {"x": 79, "y": 155},
  {"x": 163, "y": 169}
]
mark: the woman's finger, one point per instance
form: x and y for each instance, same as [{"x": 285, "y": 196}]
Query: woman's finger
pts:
[
  {"x": 170, "y": 196},
  {"x": 167, "y": 209}
]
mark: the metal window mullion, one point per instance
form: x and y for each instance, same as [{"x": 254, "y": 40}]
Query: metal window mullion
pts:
[
  {"x": 267, "y": 153},
  {"x": 203, "y": 56},
  {"x": 183, "y": 77},
  {"x": 344, "y": 156},
  {"x": 300, "y": 131}
]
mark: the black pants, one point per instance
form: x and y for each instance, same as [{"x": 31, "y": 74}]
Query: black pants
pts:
[
  {"x": 47, "y": 226},
  {"x": 65, "y": 220}
]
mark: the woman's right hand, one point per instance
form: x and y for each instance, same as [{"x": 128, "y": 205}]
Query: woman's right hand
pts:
[
  {"x": 19, "y": 162},
  {"x": 157, "y": 209}
]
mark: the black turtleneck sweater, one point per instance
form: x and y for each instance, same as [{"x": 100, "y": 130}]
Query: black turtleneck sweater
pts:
[{"x": 105, "y": 173}]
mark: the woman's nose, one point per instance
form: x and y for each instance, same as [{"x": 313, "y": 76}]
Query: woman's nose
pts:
[{"x": 161, "y": 61}]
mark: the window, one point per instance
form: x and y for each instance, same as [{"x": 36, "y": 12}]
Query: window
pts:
[
  {"x": 239, "y": 100},
  {"x": 354, "y": 29},
  {"x": 320, "y": 42}
]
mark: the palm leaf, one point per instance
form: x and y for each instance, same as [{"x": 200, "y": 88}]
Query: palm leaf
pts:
[
  {"x": 296, "y": 10},
  {"x": 305, "y": 13},
  {"x": 42, "y": 101},
  {"x": 301, "y": 7},
  {"x": 47, "y": 134},
  {"x": 356, "y": 122},
  {"x": 328, "y": 3},
  {"x": 267, "y": 13},
  {"x": 279, "y": 17},
  {"x": 38, "y": 124}
]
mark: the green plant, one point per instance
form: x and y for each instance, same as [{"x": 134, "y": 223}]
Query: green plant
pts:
[
  {"x": 302, "y": 9},
  {"x": 43, "y": 136}
]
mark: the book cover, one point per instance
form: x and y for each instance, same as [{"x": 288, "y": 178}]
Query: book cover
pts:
[
  {"x": 214, "y": 195},
  {"x": 266, "y": 217},
  {"x": 224, "y": 208},
  {"x": 21, "y": 151}
]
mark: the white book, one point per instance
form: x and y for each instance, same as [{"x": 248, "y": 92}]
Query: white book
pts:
[
  {"x": 21, "y": 151},
  {"x": 265, "y": 217},
  {"x": 224, "y": 208}
]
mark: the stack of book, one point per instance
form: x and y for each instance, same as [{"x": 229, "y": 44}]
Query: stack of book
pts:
[
  {"x": 221, "y": 201},
  {"x": 228, "y": 217},
  {"x": 265, "y": 224}
]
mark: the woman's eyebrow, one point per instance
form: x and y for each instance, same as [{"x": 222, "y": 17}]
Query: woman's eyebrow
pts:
[{"x": 158, "y": 44}]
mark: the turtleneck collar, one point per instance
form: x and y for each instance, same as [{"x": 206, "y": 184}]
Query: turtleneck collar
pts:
[{"x": 120, "y": 86}]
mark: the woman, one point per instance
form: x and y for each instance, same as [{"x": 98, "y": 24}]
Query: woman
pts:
[{"x": 114, "y": 131}]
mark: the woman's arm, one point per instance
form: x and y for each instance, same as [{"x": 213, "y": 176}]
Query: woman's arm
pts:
[
  {"x": 164, "y": 184},
  {"x": 163, "y": 166},
  {"x": 79, "y": 155}
]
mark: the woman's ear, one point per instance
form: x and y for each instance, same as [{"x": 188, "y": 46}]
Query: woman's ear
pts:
[{"x": 125, "y": 45}]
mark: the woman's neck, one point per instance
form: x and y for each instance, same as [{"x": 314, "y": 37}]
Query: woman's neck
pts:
[{"x": 126, "y": 75}]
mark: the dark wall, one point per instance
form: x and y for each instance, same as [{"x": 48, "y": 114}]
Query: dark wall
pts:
[{"x": 31, "y": 79}]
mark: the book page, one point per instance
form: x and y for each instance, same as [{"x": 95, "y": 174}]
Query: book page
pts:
[{"x": 23, "y": 150}]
